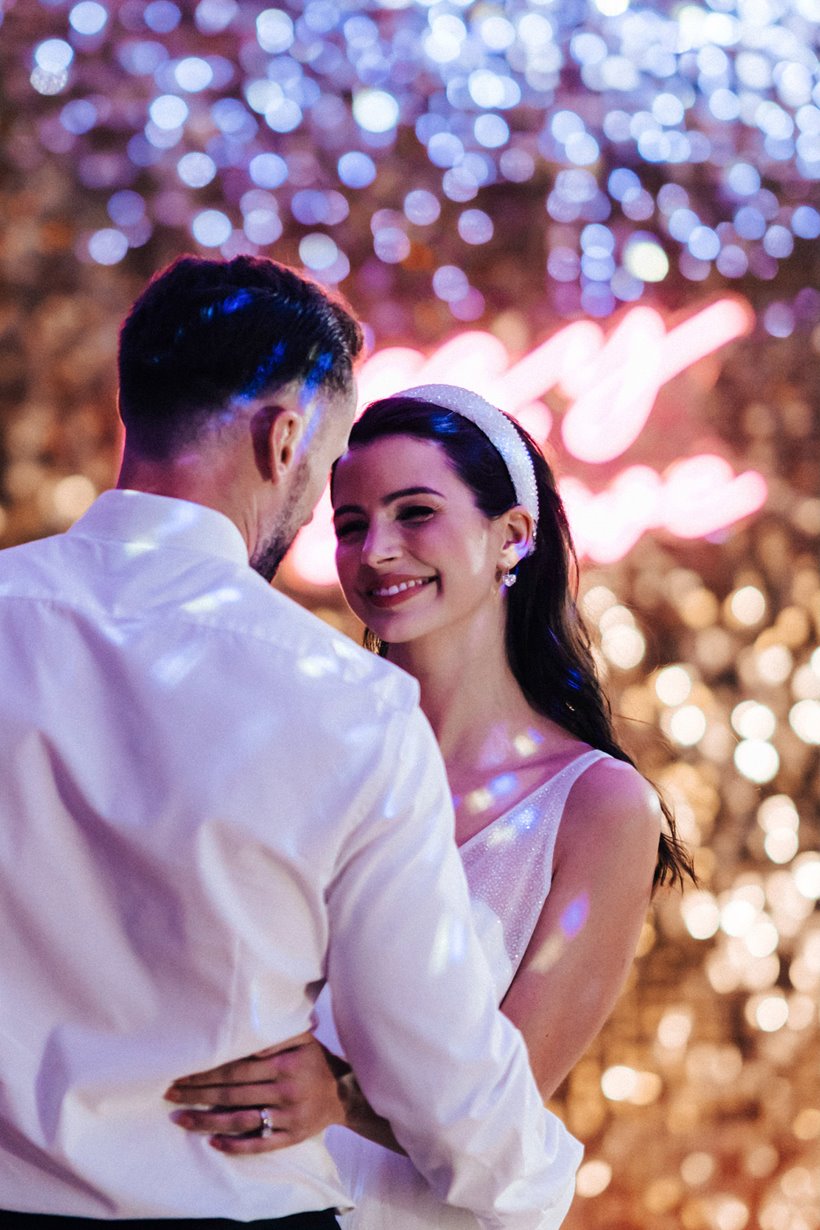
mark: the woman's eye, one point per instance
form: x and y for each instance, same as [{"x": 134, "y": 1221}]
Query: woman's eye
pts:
[
  {"x": 416, "y": 512},
  {"x": 349, "y": 529}
]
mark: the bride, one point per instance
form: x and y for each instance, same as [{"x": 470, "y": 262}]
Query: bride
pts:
[{"x": 454, "y": 551}]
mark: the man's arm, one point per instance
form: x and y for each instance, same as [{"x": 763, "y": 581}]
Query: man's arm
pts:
[{"x": 415, "y": 1007}]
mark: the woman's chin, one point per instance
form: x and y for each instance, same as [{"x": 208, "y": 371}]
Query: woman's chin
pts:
[{"x": 395, "y": 630}]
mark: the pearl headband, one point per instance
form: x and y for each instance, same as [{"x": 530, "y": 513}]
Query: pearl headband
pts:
[{"x": 498, "y": 429}]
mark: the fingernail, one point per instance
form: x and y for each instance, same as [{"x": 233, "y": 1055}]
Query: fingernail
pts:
[
  {"x": 182, "y": 1119},
  {"x": 172, "y": 1095},
  {"x": 216, "y": 1143}
]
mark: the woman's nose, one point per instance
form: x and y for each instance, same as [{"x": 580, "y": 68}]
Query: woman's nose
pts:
[{"x": 380, "y": 544}]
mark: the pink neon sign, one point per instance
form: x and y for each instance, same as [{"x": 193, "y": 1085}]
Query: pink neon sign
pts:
[{"x": 612, "y": 382}]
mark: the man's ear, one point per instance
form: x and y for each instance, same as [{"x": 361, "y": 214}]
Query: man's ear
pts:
[
  {"x": 518, "y": 537},
  {"x": 276, "y": 431}
]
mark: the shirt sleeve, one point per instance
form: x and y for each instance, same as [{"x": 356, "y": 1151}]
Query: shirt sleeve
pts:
[{"x": 415, "y": 1009}]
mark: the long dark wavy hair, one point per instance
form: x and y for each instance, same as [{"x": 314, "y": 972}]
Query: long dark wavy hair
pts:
[{"x": 548, "y": 645}]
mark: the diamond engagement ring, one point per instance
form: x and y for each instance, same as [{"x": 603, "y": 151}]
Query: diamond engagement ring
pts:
[{"x": 265, "y": 1123}]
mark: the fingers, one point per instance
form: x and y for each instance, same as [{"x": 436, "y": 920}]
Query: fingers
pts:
[
  {"x": 236, "y": 1145},
  {"x": 253, "y": 1081},
  {"x": 260, "y": 1067},
  {"x": 294, "y": 1077},
  {"x": 267, "y": 1094},
  {"x": 240, "y": 1072},
  {"x": 238, "y": 1131},
  {"x": 228, "y": 1122}
]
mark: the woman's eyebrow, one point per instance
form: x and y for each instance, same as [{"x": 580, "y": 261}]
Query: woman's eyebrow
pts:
[{"x": 388, "y": 499}]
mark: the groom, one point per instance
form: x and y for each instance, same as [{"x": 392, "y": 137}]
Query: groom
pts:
[{"x": 212, "y": 802}]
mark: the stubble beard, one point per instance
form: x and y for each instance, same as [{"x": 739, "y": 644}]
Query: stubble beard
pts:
[
  {"x": 272, "y": 550},
  {"x": 269, "y": 555}
]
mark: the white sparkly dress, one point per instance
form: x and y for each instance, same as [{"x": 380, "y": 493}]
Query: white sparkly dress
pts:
[{"x": 509, "y": 871}]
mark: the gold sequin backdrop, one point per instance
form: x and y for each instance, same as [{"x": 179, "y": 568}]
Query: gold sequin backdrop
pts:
[{"x": 699, "y": 1104}]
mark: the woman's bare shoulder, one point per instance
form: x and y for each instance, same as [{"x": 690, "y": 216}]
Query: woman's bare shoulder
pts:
[{"x": 612, "y": 799}]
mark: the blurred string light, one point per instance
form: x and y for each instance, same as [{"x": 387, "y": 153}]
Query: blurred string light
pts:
[{"x": 684, "y": 139}]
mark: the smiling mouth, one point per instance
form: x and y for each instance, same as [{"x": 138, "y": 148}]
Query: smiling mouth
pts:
[{"x": 386, "y": 592}]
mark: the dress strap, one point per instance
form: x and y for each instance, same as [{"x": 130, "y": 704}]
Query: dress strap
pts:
[
  {"x": 581, "y": 763},
  {"x": 560, "y": 785}
]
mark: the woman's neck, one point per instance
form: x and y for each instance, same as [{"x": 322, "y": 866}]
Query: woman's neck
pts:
[
  {"x": 496, "y": 748},
  {"x": 468, "y": 692}
]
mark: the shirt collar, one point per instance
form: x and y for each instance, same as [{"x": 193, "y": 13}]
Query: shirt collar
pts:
[{"x": 152, "y": 521}]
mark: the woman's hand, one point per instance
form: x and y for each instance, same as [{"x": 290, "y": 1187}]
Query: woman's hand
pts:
[{"x": 294, "y": 1084}]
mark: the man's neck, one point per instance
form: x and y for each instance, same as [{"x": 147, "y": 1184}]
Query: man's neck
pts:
[{"x": 189, "y": 478}]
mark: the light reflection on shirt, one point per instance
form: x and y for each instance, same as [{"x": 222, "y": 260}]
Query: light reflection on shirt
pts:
[
  {"x": 448, "y": 946},
  {"x": 172, "y": 668},
  {"x": 212, "y": 601},
  {"x": 317, "y": 666},
  {"x": 133, "y": 549},
  {"x": 185, "y": 514}
]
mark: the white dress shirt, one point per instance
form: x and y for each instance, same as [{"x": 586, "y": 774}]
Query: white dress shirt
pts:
[{"x": 210, "y": 803}]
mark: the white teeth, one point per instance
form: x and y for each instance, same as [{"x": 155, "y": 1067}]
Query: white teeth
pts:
[{"x": 390, "y": 590}]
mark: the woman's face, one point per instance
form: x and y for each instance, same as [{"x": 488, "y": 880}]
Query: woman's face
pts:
[{"x": 414, "y": 553}]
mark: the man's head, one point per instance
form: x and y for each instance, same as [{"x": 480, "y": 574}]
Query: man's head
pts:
[
  {"x": 242, "y": 360},
  {"x": 206, "y": 334}
]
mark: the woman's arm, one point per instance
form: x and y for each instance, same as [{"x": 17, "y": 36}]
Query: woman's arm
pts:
[{"x": 583, "y": 945}]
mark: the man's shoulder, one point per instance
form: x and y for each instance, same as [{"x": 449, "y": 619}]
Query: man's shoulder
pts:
[
  {"x": 323, "y": 653},
  {"x": 283, "y": 644}
]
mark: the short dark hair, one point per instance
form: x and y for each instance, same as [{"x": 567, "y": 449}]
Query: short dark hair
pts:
[
  {"x": 548, "y": 645},
  {"x": 204, "y": 332}
]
